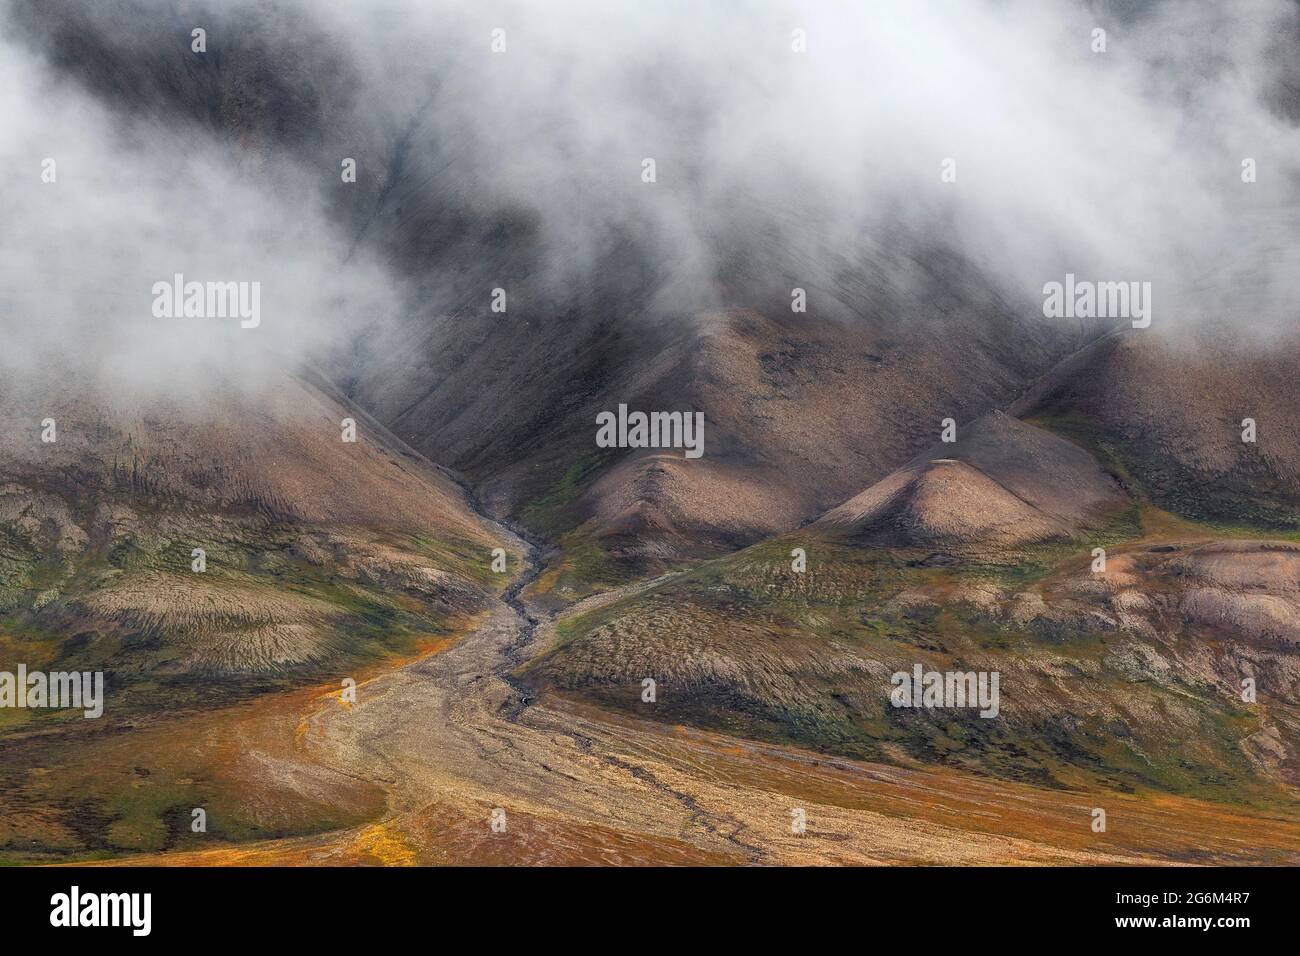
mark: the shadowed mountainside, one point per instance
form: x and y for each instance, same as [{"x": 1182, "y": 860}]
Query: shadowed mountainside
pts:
[
  {"x": 801, "y": 409},
  {"x": 1165, "y": 413}
]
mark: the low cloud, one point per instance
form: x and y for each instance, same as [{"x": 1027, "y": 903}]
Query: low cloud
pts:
[{"x": 1118, "y": 165}]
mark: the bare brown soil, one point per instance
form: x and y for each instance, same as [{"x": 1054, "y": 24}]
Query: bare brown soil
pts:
[{"x": 449, "y": 740}]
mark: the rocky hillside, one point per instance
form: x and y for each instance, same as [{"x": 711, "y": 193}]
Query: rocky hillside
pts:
[{"x": 318, "y": 553}]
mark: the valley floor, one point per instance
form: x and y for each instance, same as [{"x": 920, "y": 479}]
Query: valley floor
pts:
[{"x": 450, "y": 739}]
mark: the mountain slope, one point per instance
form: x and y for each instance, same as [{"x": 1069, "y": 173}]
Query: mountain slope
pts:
[
  {"x": 318, "y": 551},
  {"x": 947, "y": 504},
  {"x": 801, "y": 409},
  {"x": 1166, "y": 413},
  {"x": 1002, "y": 484}
]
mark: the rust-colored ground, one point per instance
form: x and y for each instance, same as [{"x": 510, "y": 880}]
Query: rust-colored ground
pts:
[{"x": 447, "y": 741}]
